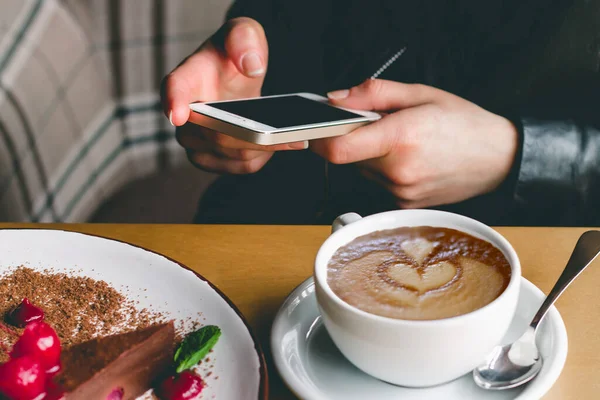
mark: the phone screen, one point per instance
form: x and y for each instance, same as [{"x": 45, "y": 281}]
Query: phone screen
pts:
[{"x": 285, "y": 111}]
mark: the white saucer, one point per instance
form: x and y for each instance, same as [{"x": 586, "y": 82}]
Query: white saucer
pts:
[{"x": 313, "y": 368}]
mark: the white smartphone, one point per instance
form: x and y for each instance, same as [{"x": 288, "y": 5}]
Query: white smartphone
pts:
[{"x": 279, "y": 119}]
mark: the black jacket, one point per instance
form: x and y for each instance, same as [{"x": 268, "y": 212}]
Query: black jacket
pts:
[{"x": 535, "y": 62}]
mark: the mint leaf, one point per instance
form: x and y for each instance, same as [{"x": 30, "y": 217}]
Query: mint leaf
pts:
[{"x": 195, "y": 347}]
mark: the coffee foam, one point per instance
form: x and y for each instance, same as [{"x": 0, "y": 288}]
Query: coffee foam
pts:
[{"x": 418, "y": 273}]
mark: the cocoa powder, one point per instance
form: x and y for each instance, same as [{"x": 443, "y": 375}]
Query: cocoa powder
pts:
[{"x": 78, "y": 308}]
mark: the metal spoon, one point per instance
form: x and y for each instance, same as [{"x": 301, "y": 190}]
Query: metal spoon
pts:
[{"x": 517, "y": 363}]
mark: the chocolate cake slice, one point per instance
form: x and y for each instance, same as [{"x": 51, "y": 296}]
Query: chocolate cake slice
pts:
[{"x": 125, "y": 364}]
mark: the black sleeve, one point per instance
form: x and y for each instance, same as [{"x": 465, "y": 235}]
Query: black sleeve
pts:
[
  {"x": 557, "y": 173},
  {"x": 558, "y": 179}
]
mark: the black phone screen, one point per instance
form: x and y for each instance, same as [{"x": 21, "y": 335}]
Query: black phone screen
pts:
[{"x": 285, "y": 111}]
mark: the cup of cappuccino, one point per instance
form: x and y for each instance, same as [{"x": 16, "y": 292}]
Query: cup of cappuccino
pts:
[{"x": 416, "y": 297}]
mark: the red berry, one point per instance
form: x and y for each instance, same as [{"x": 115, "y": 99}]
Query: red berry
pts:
[
  {"x": 185, "y": 386},
  {"x": 22, "y": 378},
  {"x": 40, "y": 341},
  {"x": 25, "y": 313}
]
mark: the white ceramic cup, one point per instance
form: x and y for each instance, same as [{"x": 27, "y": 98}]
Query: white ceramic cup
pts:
[{"x": 407, "y": 352}]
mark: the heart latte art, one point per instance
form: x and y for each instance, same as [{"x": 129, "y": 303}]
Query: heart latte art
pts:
[{"x": 418, "y": 273}]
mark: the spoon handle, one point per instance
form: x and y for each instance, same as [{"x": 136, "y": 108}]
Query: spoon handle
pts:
[{"x": 585, "y": 251}]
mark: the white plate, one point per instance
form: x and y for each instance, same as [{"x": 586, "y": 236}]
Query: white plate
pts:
[
  {"x": 170, "y": 287},
  {"x": 313, "y": 368}
]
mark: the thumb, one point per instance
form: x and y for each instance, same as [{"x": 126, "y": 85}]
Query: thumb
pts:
[
  {"x": 383, "y": 95},
  {"x": 244, "y": 42}
]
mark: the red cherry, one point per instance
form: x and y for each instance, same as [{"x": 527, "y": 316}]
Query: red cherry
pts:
[
  {"x": 22, "y": 378},
  {"x": 40, "y": 341},
  {"x": 25, "y": 313},
  {"x": 185, "y": 386}
]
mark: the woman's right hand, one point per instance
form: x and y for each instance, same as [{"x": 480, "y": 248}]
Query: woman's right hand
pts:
[{"x": 231, "y": 64}]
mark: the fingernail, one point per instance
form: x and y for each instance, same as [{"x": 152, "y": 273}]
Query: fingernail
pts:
[
  {"x": 299, "y": 145},
  {"x": 252, "y": 64},
  {"x": 338, "y": 94},
  {"x": 171, "y": 117}
]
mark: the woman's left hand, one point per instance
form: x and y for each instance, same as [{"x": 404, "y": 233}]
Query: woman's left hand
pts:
[{"x": 432, "y": 148}]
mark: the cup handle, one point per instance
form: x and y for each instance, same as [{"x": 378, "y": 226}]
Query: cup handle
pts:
[{"x": 343, "y": 220}]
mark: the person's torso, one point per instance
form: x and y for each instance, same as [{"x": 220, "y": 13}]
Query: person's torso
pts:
[{"x": 508, "y": 57}]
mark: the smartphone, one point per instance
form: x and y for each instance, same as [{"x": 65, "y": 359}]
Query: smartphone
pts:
[{"x": 279, "y": 119}]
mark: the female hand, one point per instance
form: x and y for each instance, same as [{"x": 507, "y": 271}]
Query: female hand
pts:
[
  {"x": 433, "y": 148},
  {"x": 231, "y": 64}
]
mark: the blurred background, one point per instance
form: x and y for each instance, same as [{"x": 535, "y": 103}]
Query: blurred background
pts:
[{"x": 82, "y": 133}]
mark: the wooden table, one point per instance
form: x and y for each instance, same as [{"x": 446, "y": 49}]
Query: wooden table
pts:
[{"x": 257, "y": 266}]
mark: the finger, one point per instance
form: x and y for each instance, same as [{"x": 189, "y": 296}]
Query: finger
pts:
[
  {"x": 238, "y": 154},
  {"x": 199, "y": 144},
  {"x": 190, "y": 82},
  {"x": 409, "y": 192},
  {"x": 194, "y": 136},
  {"x": 398, "y": 171},
  {"x": 371, "y": 141},
  {"x": 213, "y": 163},
  {"x": 245, "y": 44},
  {"x": 382, "y": 95},
  {"x": 174, "y": 95},
  {"x": 223, "y": 140}
]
